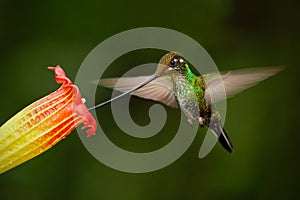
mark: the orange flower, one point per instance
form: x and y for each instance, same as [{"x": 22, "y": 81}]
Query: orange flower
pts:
[{"x": 44, "y": 123}]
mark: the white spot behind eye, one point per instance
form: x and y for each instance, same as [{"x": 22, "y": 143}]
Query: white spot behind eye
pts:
[
  {"x": 83, "y": 100},
  {"x": 181, "y": 60}
]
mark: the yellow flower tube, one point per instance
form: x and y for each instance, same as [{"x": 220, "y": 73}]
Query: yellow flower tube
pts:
[{"x": 43, "y": 123}]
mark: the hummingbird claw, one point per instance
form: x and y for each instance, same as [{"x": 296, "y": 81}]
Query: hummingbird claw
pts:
[{"x": 201, "y": 121}]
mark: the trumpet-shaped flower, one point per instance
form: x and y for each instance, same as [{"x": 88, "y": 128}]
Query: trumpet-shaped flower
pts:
[{"x": 44, "y": 123}]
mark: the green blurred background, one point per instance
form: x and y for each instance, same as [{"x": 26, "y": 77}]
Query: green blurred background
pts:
[{"x": 262, "y": 122}]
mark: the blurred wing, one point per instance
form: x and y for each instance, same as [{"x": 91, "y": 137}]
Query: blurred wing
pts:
[
  {"x": 235, "y": 82},
  {"x": 160, "y": 89}
]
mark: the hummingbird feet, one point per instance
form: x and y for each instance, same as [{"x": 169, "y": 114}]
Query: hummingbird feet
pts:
[{"x": 201, "y": 121}]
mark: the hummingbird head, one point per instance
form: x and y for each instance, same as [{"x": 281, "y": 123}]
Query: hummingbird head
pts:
[{"x": 171, "y": 62}]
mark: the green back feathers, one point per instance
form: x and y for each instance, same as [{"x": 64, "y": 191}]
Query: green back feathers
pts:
[
  {"x": 194, "y": 81},
  {"x": 199, "y": 86}
]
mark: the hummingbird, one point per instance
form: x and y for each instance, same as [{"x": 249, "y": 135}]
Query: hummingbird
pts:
[{"x": 175, "y": 85}]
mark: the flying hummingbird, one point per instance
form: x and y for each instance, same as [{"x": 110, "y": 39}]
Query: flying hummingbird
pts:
[{"x": 175, "y": 85}]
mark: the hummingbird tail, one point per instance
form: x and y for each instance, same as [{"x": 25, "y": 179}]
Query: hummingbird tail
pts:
[{"x": 223, "y": 137}]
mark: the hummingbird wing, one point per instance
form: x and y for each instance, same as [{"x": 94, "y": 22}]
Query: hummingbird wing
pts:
[
  {"x": 235, "y": 82},
  {"x": 160, "y": 89}
]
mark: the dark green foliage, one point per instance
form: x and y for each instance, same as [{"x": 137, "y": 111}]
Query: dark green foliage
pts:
[{"x": 262, "y": 121}]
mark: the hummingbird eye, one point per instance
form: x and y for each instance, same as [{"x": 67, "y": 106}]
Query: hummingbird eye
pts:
[{"x": 173, "y": 62}]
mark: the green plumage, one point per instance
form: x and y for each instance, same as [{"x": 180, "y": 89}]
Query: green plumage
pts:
[
  {"x": 189, "y": 91},
  {"x": 199, "y": 87}
]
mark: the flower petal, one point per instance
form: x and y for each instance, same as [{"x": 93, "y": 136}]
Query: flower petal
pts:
[{"x": 42, "y": 124}]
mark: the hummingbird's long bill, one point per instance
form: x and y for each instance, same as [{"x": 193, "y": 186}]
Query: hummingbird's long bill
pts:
[{"x": 125, "y": 93}]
